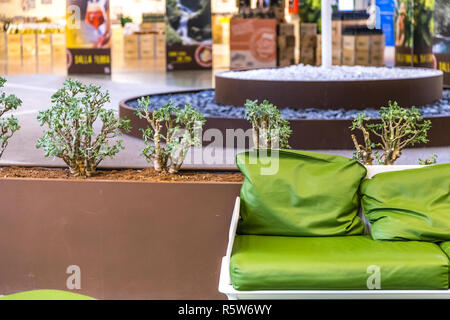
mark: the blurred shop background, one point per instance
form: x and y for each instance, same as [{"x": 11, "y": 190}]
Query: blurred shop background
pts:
[{"x": 159, "y": 35}]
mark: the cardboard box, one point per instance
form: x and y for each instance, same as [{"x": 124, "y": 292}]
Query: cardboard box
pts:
[
  {"x": 147, "y": 46},
  {"x": 59, "y": 44},
  {"x": 362, "y": 42},
  {"x": 160, "y": 45},
  {"x": 308, "y": 42},
  {"x": 286, "y": 29},
  {"x": 44, "y": 44},
  {"x": 308, "y": 56},
  {"x": 348, "y": 57},
  {"x": 308, "y": 29},
  {"x": 29, "y": 53},
  {"x": 349, "y": 42},
  {"x": 131, "y": 46},
  {"x": 377, "y": 60},
  {"x": 286, "y": 41},
  {"x": 336, "y": 29},
  {"x": 362, "y": 57},
  {"x": 377, "y": 43},
  {"x": 336, "y": 44},
  {"x": 286, "y": 57},
  {"x": 14, "y": 47},
  {"x": 337, "y": 57}
]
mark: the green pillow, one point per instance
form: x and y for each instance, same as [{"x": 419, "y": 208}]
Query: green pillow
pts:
[
  {"x": 46, "y": 295},
  {"x": 412, "y": 204},
  {"x": 299, "y": 193}
]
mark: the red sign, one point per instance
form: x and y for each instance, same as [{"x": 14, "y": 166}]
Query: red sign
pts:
[{"x": 293, "y": 6}]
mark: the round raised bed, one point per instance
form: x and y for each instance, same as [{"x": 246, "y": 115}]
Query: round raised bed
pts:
[
  {"x": 312, "y": 134},
  {"x": 349, "y": 88}
]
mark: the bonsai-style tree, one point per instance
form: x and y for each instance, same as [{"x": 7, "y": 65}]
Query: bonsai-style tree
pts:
[
  {"x": 397, "y": 129},
  {"x": 70, "y": 133},
  {"x": 9, "y": 125},
  {"x": 269, "y": 129},
  {"x": 363, "y": 152},
  {"x": 429, "y": 161},
  {"x": 171, "y": 133}
]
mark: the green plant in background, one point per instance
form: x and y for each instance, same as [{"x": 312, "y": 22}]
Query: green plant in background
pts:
[
  {"x": 423, "y": 23},
  {"x": 70, "y": 133},
  {"x": 171, "y": 133},
  {"x": 310, "y": 12},
  {"x": 429, "y": 161},
  {"x": 404, "y": 23},
  {"x": 9, "y": 125},
  {"x": 397, "y": 129},
  {"x": 269, "y": 129}
]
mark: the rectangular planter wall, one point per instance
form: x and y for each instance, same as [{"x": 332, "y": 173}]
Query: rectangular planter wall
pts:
[{"x": 131, "y": 240}]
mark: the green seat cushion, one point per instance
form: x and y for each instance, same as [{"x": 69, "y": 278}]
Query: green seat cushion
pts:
[
  {"x": 411, "y": 204},
  {"x": 445, "y": 246},
  {"x": 46, "y": 295},
  {"x": 299, "y": 193},
  {"x": 335, "y": 263}
]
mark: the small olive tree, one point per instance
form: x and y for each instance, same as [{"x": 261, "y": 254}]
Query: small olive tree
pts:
[
  {"x": 9, "y": 125},
  {"x": 171, "y": 132},
  {"x": 70, "y": 133},
  {"x": 429, "y": 161},
  {"x": 397, "y": 129},
  {"x": 269, "y": 129}
]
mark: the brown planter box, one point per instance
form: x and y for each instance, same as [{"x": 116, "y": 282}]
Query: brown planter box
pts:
[{"x": 132, "y": 240}]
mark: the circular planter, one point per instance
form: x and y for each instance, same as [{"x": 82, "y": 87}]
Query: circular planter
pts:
[
  {"x": 307, "y": 134},
  {"x": 357, "y": 94}
]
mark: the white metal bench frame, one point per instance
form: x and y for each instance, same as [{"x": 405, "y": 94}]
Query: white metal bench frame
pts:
[{"x": 226, "y": 287}]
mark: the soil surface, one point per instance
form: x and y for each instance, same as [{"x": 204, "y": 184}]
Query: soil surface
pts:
[{"x": 147, "y": 175}]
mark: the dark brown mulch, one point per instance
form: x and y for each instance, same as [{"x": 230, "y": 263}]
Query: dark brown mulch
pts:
[{"x": 147, "y": 175}]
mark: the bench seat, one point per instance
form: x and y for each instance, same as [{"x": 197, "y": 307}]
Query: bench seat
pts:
[{"x": 336, "y": 263}]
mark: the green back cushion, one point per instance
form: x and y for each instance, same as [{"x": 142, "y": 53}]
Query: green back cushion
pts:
[
  {"x": 411, "y": 204},
  {"x": 299, "y": 193}
]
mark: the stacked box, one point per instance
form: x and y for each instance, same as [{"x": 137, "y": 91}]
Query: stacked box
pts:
[
  {"x": 319, "y": 50},
  {"x": 59, "y": 52},
  {"x": 308, "y": 41},
  {"x": 44, "y": 49},
  {"x": 348, "y": 50},
  {"x": 14, "y": 53},
  {"x": 377, "y": 46},
  {"x": 2, "y": 52},
  {"x": 286, "y": 44},
  {"x": 286, "y": 29},
  {"x": 147, "y": 46},
  {"x": 362, "y": 56},
  {"x": 160, "y": 46},
  {"x": 29, "y": 53},
  {"x": 131, "y": 46}
]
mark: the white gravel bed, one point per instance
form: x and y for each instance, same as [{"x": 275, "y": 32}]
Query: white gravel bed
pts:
[{"x": 335, "y": 73}]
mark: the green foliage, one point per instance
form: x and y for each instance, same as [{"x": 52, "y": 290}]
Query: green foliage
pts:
[
  {"x": 399, "y": 128},
  {"x": 405, "y": 12},
  {"x": 310, "y": 12},
  {"x": 70, "y": 133},
  {"x": 363, "y": 152},
  {"x": 423, "y": 23},
  {"x": 9, "y": 125},
  {"x": 269, "y": 129},
  {"x": 172, "y": 37},
  {"x": 170, "y": 134},
  {"x": 429, "y": 161}
]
